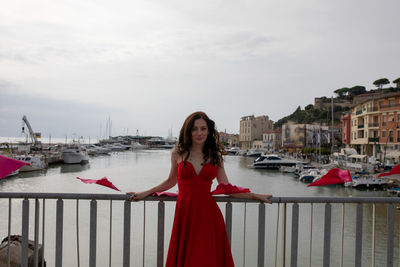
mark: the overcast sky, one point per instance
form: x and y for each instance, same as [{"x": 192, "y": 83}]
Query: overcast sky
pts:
[{"x": 69, "y": 65}]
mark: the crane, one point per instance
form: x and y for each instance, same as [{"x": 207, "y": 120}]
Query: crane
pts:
[{"x": 31, "y": 133}]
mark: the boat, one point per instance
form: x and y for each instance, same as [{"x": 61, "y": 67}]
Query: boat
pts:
[
  {"x": 137, "y": 145},
  {"x": 367, "y": 182},
  {"x": 254, "y": 153},
  {"x": 272, "y": 162},
  {"x": 233, "y": 150},
  {"x": 36, "y": 162},
  {"x": 309, "y": 175},
  {"x": 75, "y": 155},
  {"x": 94, "y": 150}
]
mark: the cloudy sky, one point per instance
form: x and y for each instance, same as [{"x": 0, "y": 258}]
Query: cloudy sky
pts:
[{"x": 69, "y": 65}]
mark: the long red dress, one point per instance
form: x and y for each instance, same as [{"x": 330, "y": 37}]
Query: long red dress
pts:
[{"x": 198, "y": 234}]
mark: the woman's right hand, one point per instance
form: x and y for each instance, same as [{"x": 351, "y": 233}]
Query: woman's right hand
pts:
[{"x": 137, "y": 195}]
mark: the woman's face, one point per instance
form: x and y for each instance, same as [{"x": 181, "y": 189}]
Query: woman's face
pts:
[{"x": 199, "y": 132}]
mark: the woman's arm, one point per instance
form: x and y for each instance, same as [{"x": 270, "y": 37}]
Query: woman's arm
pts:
[
  {"x": 222, "y": 178},
  {"x": 163, "y": 186}
]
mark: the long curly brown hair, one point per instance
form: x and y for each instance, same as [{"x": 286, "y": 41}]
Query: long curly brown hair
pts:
[{"x": 212, "y": 150}]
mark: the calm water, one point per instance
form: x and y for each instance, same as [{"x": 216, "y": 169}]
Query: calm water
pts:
[{"x": 139, "y": 170}]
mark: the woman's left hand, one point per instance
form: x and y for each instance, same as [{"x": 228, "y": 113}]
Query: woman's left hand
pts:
[
  {"x": 137, "y": 195},
  {"x": 262, "y": 197}
]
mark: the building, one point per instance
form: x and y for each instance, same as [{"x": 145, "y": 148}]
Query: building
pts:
[
  {"x": 272, "y": 140},
  {"x": 252, "y": 129},
  {"x": 229, "y": 140},
  {"x": 375, "y": 126},
  {"x": 297, "y": 136},
  {"x": 346, "y": 129}
]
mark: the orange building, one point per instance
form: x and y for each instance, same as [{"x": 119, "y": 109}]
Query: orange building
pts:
[{"x": 375, "y": 127}]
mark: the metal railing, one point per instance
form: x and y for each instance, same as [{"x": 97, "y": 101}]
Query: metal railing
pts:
[{"x": 288, "y": 250}]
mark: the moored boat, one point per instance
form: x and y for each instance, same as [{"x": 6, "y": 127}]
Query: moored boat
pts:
[
  {"x": 36, "y": 162},
  {"x": 272, "y": 162}
]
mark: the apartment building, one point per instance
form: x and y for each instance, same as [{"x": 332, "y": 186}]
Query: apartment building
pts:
[
  {"x": 229, "y": 140},
  {"x": 252, "y": 129},
  {"x": 273, "y": 140},
  {"x": 375, "y": 126}
]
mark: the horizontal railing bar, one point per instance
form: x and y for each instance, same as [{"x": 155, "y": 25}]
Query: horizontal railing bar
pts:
[{"x": 91, "y": 196}]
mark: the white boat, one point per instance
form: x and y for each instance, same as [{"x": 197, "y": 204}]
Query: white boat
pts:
[
  {"x": 74, "y": 156},
  {"x": 309, "y": 175},
  {"x": 272, "y": 162},
  {"x": 36, "y": 162},
  {"x": 97, "y": 150},
  {"x": 255, "y": 152},
  {"x": 367, "y": 182},
  {"x": 234, "y": 151},
  {"x": 137, "y": 145}
]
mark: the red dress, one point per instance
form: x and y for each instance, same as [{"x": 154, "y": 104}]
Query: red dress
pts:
[{"x": 198, "y": 234}]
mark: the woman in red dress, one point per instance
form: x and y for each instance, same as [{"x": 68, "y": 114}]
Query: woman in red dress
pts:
[{"x": 198, "y": 234}]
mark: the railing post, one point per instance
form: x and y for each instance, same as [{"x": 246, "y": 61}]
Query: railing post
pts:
[
  {"x": 25, "y": 233},
  {"x": 295, "y": 234},
  {"x": 261, "y": 234},
  {"x": 359, "y": 223},
  {"x": 283, "y": 235},
  {"x": 36, "y": 234},
  {"x": 390, "y": 235},
  {"x": 59, "y": 232},
  {"x": 228, "y": 220},
  {"x": 160, "y": 234},
  {"x": 327, "y": 235},
  {"x": 127, "y": 233},
  {"x": 93, "y": 233}
]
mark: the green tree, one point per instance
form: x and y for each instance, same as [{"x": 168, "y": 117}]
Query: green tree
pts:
[
  {"x": 357, "y": 90},
  {"x": 381, "y": 82},
  {"x": 342, "y": 91},
  {"x": 397, "y": 81}
]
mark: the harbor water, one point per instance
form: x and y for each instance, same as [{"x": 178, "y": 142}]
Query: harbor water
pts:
[{"x": 141, "y": 169}]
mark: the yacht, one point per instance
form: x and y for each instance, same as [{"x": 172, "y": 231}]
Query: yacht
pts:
[
  {"x": 272, "y": 162},
  {"x": 36, "y": 162},
  {"x": 75, "y": 155},
  {"x": 254, "y": 152},
  {"x": 233, "y": 151}
]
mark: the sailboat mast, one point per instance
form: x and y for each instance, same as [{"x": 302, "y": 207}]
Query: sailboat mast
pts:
[{"x": 332, "y": 122}]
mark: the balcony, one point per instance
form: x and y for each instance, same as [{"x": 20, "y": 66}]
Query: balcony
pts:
[
  {"x": 360, "y": 126},
  {"x": 390, "y": 106},
  {"x": 373, "y": 109},
  {"x": 373, "y": 124},
  {"x": 106, "y": 232},
  {"x": 373, "y": 139}
]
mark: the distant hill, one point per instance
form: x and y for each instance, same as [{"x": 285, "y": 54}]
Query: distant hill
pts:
[{"x": 313, "y": 115}]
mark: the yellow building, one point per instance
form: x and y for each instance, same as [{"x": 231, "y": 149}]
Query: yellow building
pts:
[{"x": 252, "y": 129}]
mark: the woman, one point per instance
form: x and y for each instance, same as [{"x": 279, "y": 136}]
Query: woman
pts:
[{"x": 198, "y": 235}]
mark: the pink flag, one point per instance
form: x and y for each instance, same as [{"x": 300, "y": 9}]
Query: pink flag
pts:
[
  {"x": 9, "y": 165},
  {"x": 334, "y": 176},
  {"x": 395, "y": 170},
  {"x": 103, "y": 181}
]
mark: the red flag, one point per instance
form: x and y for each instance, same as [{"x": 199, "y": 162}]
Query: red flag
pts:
[
  {"x": 228, "y": 189},
  {"x": 9, "y": 165},
  {"x": 334, "y": 176},
  {"x": 395, "y": 170},
  {"x": 103, "y": 181}
]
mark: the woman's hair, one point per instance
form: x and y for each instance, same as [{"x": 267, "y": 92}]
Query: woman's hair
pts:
[{"x": 213, "y": 150}]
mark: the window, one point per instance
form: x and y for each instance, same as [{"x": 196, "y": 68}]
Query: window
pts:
[
  {"x": 383, "y": 133},
  {"x": 391, "y": 102},
  {"x": 381, "y": 104}
]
